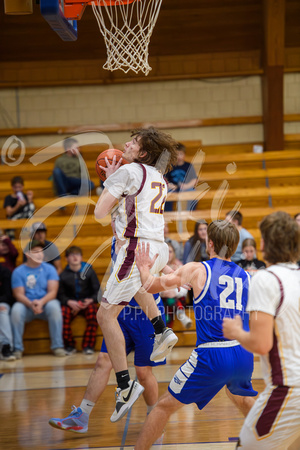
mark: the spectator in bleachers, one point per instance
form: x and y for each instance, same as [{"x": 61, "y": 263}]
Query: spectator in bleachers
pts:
[
  {"x": 6, "y": 301},
  {"x": 174, "y": 300},
  {"x": 181, "y": 178},
  {"x": 78, "y": 296},
  {"x": 35, "y": 286},
  {"x": 236, "y": 218},
  {"x": 8, "y": 252},
  {"x": 176, "y": 245},
  {"x": 250, "y": 263},
  {"x": 67, "y": 176},
  {"x": 18, "y": 205},
  {"x": 51, "y": 252},
  {"x": 195, "y": 247}
]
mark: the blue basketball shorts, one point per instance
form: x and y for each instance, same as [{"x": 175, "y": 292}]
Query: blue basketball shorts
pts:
[
  {"x": 208, "y": 370},
  {"x": 139, "y": 335}
]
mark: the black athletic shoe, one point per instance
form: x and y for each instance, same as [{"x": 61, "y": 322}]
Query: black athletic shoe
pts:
[{"x": 7, "y": 354}]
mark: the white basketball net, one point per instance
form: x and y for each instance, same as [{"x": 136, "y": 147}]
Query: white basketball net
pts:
[{"x": 127, "y": 29}]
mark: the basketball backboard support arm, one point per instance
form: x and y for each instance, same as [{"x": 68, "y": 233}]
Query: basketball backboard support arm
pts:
[
  {"x": 52, "y": 12},
  {"x": 62, "y": 15}
]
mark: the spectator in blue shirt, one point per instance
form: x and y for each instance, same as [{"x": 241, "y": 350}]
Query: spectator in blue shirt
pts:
[
  {"x": 236, "y": 218},
  {"x": 35, "y": 286},
  {"x": 181, "y": 178}
]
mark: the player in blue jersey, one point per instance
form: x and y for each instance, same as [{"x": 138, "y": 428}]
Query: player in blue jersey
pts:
[
  {"x": 220, "y": 290},
  {"x": 137, "y": 330}
]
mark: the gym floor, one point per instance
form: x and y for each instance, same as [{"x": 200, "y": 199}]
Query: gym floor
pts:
[{"x": 36, "y": 388}]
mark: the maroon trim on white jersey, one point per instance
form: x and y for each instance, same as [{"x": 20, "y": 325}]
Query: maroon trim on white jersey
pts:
[
  {"x": 130, "y": 207},
  {"x": 128, "y": 262},
  {"x": 281, "y": 292},
  {"x": 270, "y": 412},
  {"x": 104, "y": 300},
  {"x": 274, "y": 357}
]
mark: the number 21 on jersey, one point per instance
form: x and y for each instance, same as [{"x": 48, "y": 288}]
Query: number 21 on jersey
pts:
[{"x": 231, "y": 285}]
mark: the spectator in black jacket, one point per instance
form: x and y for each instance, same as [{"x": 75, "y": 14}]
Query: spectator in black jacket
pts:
[
  {"x": 6, "y": 301},
  {"x": 78, "y": 295}
]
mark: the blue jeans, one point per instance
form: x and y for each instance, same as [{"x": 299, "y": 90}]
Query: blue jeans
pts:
[
  {"x": 6, "y": 336},
  {"x": 70, "y": 185},
  {"x": 20, "y": 315}
]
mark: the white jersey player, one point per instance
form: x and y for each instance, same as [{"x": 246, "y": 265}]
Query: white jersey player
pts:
[
  {"x": 139, "y": 191},
  {"x": 274, "y": 306},
  {"x": 142, "y": 192}
]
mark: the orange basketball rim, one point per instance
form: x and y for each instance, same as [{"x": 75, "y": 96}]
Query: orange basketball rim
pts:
[{"x": 73, "y": 9}]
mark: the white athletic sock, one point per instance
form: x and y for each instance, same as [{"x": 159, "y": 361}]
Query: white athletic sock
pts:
[{"x": 87, "y": 406}]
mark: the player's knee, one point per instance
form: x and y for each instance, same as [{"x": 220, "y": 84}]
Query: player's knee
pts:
[
  {"x": 105, "y": 314},
  {"x": 168, "y": 404},
  {"x": 143, "y": 373},
  {"x": 103, "y": 362}
]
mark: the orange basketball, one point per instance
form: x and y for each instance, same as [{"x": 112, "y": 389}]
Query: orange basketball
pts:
[{"x": 109, "y": 154}]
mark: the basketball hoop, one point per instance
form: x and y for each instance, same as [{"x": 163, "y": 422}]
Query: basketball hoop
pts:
[{"x": 127, "y": 26}]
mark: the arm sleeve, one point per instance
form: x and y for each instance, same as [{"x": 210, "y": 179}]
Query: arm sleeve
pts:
[
  {"x": 177, "y": 248},
  {"x": 51, "y": 252},
  {"x": 51, "y": 272},
  {"x": 186, "y": 251},
  {"x": 7, "y": 201},
  {"x": 62, "y": 294},
  {"x": 264, "y": 293},
  {"x": 16, "y": 279},
  {"x": 57, "y": 163},
  {"x": 125, "y": 180},
  {"x": 7, "y": 297},
  {"x": 191, "y": 174}
]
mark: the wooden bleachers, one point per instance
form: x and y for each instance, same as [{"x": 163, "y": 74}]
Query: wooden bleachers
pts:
[
  {"x": 262, "y": 183},
  {"x": 37, "y": 338}
]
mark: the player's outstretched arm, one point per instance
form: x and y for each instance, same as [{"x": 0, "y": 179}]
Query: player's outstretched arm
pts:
[
  {"x": 183, "y": 275},
  {"x": 104, "y": 204}
]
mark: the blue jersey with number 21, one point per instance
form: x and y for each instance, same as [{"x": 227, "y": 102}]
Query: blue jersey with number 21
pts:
[{"x": 225, "y": 294}]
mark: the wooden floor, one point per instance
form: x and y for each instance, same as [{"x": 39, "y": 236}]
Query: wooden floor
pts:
[{"x": 36, "y": 388}]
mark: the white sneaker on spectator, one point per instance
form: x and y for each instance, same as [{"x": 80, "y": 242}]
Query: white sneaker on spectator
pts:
[
  {"x": 59, "y": 352},
  {"x": 18, "y": 354}
]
